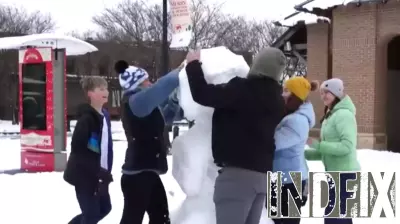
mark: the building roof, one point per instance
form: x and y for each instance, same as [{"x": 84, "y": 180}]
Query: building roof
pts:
[
  {"x": 324, "y": 4},
  {"x": 292, "y": 34},
  {"x": 300, "y": 17},
  {"x": 306, "y": 11},
  {"x": 297, "y": 37}
]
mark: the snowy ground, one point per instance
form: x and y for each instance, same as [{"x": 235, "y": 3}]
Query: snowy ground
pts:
[
  {"x": 7, "y": 127},
  {"x": 44, "y": 198}
]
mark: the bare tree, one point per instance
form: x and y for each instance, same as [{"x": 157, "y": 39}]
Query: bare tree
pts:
[
  {"x": 294, "y": 68},
  {"x": 17, "y": 21},
  {"x": 239, "y": 35},
  {"x": 130, "y": 20},
  {"x": 251, "y": 36},
  {"x": 135, "y": 20},
  {"x": 13, "y": 22},
  {"x": 266, "y": 32},
  {"x": 87, "y": 35},
  {"x": 208, "y": 21}
]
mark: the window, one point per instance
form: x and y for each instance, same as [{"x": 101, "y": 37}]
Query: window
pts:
[
  {"x": 71, "y": 65},
  {"x": 34, "y": 96},
  {"x": 104, "y": 66}
]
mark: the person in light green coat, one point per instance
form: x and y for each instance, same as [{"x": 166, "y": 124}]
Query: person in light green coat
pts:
[
  {"x": 336, "y": 147},
  {"x": 338, "y": 139}
]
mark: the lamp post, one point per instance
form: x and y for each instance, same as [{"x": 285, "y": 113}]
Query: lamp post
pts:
[
  {"x": 165, "y": 59},
  {"x": 164, "y": 45}
]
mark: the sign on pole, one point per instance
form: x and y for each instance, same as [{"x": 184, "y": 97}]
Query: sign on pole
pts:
[{"x": 181, "y": 23}]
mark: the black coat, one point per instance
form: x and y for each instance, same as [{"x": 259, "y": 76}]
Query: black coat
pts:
[
  {"x": 145, "y": 136},
  {"x": 247, "y": 111},
  {"x": 84, "y": 166}
]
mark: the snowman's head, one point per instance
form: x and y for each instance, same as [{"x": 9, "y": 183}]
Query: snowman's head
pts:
[{"x": 219, "y": 66}]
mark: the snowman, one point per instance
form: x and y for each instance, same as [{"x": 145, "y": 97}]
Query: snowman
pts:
[{"x": 193, "y": 165}]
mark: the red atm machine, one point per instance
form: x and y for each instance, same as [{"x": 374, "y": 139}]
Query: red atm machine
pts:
[
  {"x": 42, "y": 109},
  {"x": 42, "y": 97}
]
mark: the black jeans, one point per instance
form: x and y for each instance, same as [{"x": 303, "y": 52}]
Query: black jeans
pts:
[
  {"x": 343, "y": 196},
  {"x": 94, "y": 207},
  {"x": 285, "y": 203},
  {"x": 144, "y": 192}
]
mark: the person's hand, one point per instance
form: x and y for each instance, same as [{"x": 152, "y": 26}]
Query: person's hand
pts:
[
  {"x": 181, "y": 65},
  {"x": 102, "y": 188},
  {"x": 105, "y": 176},
  {"x": 311, "y": 141},
  {"x": 174, "y": 96},
  {"x": 193, "y": 56}
]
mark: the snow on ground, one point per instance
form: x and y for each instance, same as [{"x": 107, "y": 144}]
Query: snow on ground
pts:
[
  {"x": 44, "y": 198},
  {"x": 7, "y": 126}
]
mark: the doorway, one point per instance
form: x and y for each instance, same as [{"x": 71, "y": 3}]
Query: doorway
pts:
[{"x": 393, "y": 94}]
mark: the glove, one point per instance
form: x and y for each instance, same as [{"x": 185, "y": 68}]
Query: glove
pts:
[
  {"x": 102, "y": 188},
  {"x": 303, "y": 200},
  {"x": 304, "y": 194},
  {"x": 105, "y": 176},
  {"x": 174, "y": 96}
]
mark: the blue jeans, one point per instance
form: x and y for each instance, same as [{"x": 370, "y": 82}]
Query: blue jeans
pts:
[
  {"x": 94, "y": 207},
  {"x": 343, "y": 196}
]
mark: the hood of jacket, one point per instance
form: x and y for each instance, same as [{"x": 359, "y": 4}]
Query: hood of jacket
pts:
[
  {"x": 307, "y": 110},
  {"x": 345, "y": 104}
]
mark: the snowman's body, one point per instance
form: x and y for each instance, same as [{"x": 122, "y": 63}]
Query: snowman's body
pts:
[
  {"x": 193, "y": 165},
  {"x": 198, "y": 206}
]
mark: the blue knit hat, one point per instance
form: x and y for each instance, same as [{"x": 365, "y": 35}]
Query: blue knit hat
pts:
[{"x": 132, "y": 78}]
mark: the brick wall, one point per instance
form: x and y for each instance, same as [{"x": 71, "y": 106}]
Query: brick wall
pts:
[
  {"x": 354, "y": 54},
  {"x": 359, "y": 57},
  {"x": 317, "y": 61}
]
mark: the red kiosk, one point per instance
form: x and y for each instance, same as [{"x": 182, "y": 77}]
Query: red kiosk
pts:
[{"x": 42, "y": 97}]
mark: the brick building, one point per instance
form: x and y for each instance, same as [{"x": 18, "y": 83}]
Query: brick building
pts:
[{"x": 360, "y": 44}]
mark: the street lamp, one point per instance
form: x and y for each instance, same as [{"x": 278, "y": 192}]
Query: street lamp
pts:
[
  {"x": 164, "y": 45},
  {"x": 165, "y": 58}
]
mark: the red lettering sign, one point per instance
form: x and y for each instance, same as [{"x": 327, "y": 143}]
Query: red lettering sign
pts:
[{"x": 32, "y": 55}]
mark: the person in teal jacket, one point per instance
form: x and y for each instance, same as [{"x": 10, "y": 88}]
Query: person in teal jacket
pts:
[
  {"x": 290, "y": 138},
  {"x": 336, "y": 147}
]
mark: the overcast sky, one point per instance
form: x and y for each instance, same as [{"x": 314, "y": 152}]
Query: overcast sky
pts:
[{"x": 76, "y": 14}]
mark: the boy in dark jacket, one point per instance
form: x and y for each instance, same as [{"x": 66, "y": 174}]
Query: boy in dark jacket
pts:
[
  {"x": 90, "y": 162},
  {"x": 247, "y": 111},
  {"x": 145, "y": 109}
]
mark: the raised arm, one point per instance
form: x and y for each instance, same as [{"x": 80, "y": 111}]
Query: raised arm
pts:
[
  {"x": 146, "y": 100},
  {"x": 171, "y": 109},
  {"x": 229, "y": 95}
]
